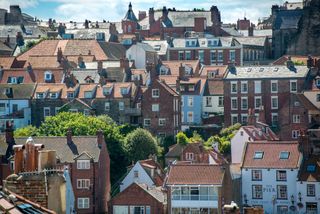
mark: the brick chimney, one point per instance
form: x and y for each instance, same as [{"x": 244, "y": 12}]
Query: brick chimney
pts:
[
  {"x": 59, "y": 55},
  {"x": 310, "y": 62},
  {"x": 164, "y": 13},
  {"x": 181, "y": 71},
  {"x": 124, "y": 63},
  {"x": 29, "y": 68},
  {"x": 69, "y": 136},
  {"x": 262, "y": 115},
  {"x": 251, "y": 30},
  {"x": 99, "y": 66},
  {"x": 151, "y": 16},
  {"x": 142, "y": 15},
  {"x": 251, "y": 117},
  {"x": 9, "y": 132},
  {"x": 151, "y": 69},
  {"x": 304, "y": 144},
  {"x": 100, "y": 138}
]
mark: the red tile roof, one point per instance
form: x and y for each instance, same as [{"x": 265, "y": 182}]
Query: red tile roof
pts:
[
  {"x": 37, "y": 76},
  {"x": 116, "y": 90},
  {"x": 271, "y": 155},
  {"x": 195, "y": 174},
  {"x": 221, "y": 70},
  {"x": 7, "y": 62},
  {"x": 68, "y": 47},
  {"x": 42, "y": 62},
  {"x": 175, "y": 65},
  {"x": 214, "y": 87}
]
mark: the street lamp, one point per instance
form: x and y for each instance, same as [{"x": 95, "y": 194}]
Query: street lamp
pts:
[
  {"x": 299, "y": 196},
  {"x": 292, "y": 199},
  {"x": 245, "y": 199}
]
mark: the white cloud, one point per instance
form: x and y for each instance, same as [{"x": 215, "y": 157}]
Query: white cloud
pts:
[{"x": 114, "y": 10}]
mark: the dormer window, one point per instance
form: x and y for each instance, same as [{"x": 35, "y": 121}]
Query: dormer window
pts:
[
  {"x": 70, "y": 94},
  {"x": 258, "y": 155},
  {"x": 157, "y": 47},
  {"x": 182, "y": 88},
  {"x": 163, "y": 70},
  {"x": 40, "y": 95},
  {"x": 107, "y": 90},
  {"x": 54, "y": 95},
  {"x": 188, "y": 70},
  {"x": 311, "y": 168},
  {"x": 12, "y": 80},
  {"x": 135, "y": 77},
  {"x": 189, "y": 156},
  {"x": 88, "y": 94},
  {"x": 123, "y": 91},
  {"x": 48, "y": 76},
  {"x": 284, "y": 155}
]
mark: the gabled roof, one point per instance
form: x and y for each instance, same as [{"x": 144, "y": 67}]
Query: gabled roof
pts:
[
  {"x": 116, "y": 90},
  {"x": 77, "y": 100},
  {"x": 271, "y": 155},
  {"x": 82, "y": 74},
  {"x": 219, "y": 70},
  {"x": 66, "y": 152},
  {"x": 175, "y": 65},
  {"x": 19, "y": 91},
  {"x": 87, "y": 88},
  {"x": 168, "y": 88},
  {"x": 195, "y": 174},
  {"x": 213, "y": 87},
  {"x": 48, "y": 87},
  {"x": 252, "y": 40},
  {"x": 7, "y": 62},
  {"x": 130, "y": 14},
  {"x": 306, "y": 103},
  {"x": 257, "y": 134}
]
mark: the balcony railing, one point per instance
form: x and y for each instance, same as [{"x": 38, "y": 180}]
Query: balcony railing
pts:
[{"x": 194, "y": 197}]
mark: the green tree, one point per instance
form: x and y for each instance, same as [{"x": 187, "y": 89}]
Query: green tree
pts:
[
  {"x": 182, "y": 138},
  {"x": 196, "y": 138},
  {"x": 86, "y": 125},
  {"x": 139, "y": 144},
  {"x": 26, "y": 131}
]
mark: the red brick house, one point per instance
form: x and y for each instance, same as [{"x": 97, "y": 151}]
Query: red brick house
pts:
[
  {"x": 139, "y": 198},
  {"x": 88, "y": 161},
  {"x": 256, "y": 86},
  {"x": 161, "y": 109},
  {"x": 209, "y": 50}
]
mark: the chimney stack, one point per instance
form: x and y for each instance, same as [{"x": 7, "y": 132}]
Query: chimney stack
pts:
[
  {"x": 262, "y": 115},
  {"x": 181, "y": 71},
  {"x": 29, "y": 68},
  {"x": 100, "y": 138},
  {"x": 151, "y": 16},
  {"x": 310, "y": 62},
  {"x": 142, "y": 15},
  {"x": 59, "y": 55},
  {"x": 69, "y": 136},
  {"x": 99, "y": 66},
  {"x": 9, "y": 132},
  {"x": 251, "y": 117}
]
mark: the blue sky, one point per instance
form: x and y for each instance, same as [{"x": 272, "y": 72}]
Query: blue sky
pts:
[{"x": 114, "y": 10}]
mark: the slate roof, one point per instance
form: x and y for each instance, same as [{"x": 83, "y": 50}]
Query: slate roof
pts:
[
  {"x": 33, "y": 31},
  {"x": 113, "y": 51},
  {"x": 145, "y": 47},
  {"x": 162, "y": 45},
  {"x": 252, "y": 40},
  {"x": 175, "y": 65},
  {"x": 19, "y": 91},
  {"x": 155, "y": 192},
  {"x": 256, "y": 134},
  {"x": 195, "y": 174},
  {"x": 66, "y": 153},
  {"x": 271, "y": 155},
  {"x": 82, "y": 74},
  {"x": 174, "y": 151},
  {"x": 295, "y": 58},
  {"x": 209, "y": 68},
  {"x": 257, "y": 32},
  {"x": 130, "y": 14},
  {"x": 258, "y": 72}
]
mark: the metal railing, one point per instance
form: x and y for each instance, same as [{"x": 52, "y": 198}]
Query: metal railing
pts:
[{"x": 194, "y": 197}]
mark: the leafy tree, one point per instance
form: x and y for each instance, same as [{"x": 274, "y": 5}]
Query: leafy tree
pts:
[
  {"x": 182, "y": 138},
  {"x": 85, "y": 125},
  {"x": 26, "y": 131},
  {"x": 223, "y": 139},
  {"x": 139, "y": 144},
  {"x": 196, "y": 138}
]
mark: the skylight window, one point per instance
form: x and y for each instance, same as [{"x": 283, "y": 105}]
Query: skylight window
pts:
[
  {"x": 284, "y": 155},
  {"x": 311, "y": 168},
  {"x": 275, "y": 69},
  {"x": 261, "y": 69},
  {"x": 258, "y": 155},
  {"x": 249, "y": 70}
]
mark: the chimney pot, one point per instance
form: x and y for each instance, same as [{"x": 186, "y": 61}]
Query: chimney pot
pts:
[
  {"x": 100, "y": 138},
  {"x": 69, "y": 136}
]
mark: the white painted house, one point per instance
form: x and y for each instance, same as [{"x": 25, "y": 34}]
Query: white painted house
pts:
[
  {"x": 147, "y": 172},
  {"x": 269, "y": 175},
  {"x": 246, "y": 134},
  {"x": 15, "y": 104},
  {"x": 142, "y": 54},
  {"x": 194, "y": 188}
]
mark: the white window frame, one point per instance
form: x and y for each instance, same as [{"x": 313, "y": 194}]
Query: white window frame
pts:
[
  {"x": 162, "y": 121},
  {"x": 272, "y": 118},
  {"x": 257, "y": 87},
  {"x": 256, "y": 175},
  {"x": 243, "y": 107},
  {"x": 311, "y": 190},
  {"x": 49, "y": 73},
  {"x": 83, "y": 203},
  {"x": 232, "y": 55},
  {"x": 180, "y": 55},
  {"x": 53, "y": 95},
  {"x": 188, "y": 118},
  {"x": 107, "y": 106},
  {"x": 147, "y": 122},
  {"x": 274, "y": 82},
  {"x": 296, "y": 118},
  {"x": 242, "y": 118},
  {"x": 69, "y": 94},
  {"x": 220, "y": 101},
  {"x": 40, "y": 95},
  {"x": 44, "y": 111},
  {"x": 187, "y": 55},
  {"x": 83, "y": 164},
  {"x": 257, "y": 192},
  {"x": 121, "y": 106},
  {"x": 3, "y": 109},
  {"x": 56, "y": 109},
  {"x": 279, "y": 192},
  {"x": 232, "y": 119},
  {"x": 189, "y": 156},
  {"x": 155, "y": 93},
  {"x": 155, "y": 107},
  {"x": 291, "y": 88},
  {"x": 236, "y": 84},
  {"x": 208, "y": 101},
  {"x": 83, "y": 183},
  {"x": 255, "y": 102},
  {"x": 244, "y": 83},
  {"x": 237, "y": 104},
  {"x": 274, "y": 107},
  {"x": 295, "y": 134},
  {"x": 281, "y": 175},
  {"x": 190, "y": 101}
]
